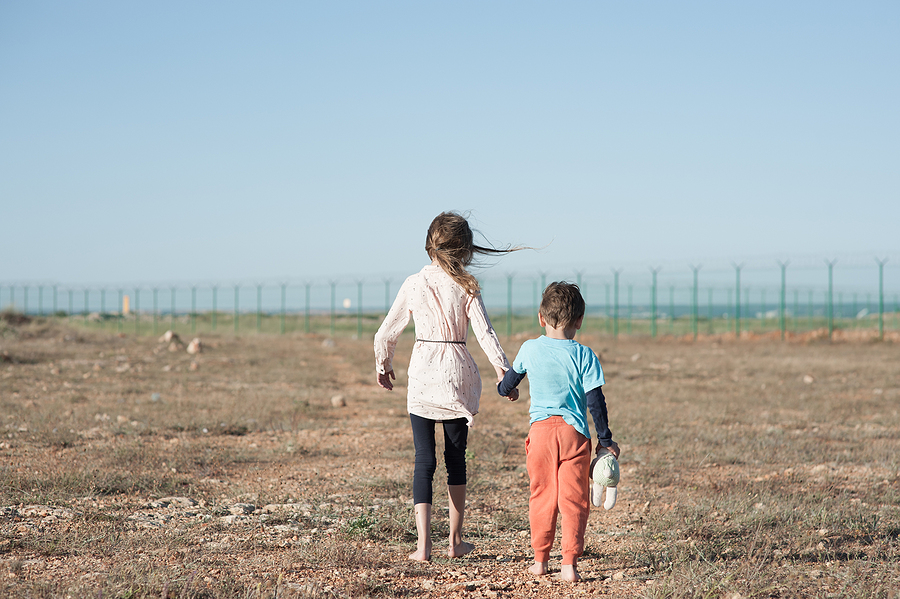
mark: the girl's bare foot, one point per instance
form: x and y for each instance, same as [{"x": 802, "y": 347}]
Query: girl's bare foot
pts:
[
  {"x": 569, "y": 573},
  {"x": 421, "y": 555},
  {"x": 460, "y": 549},
  {"x": 539, "y": 568}
]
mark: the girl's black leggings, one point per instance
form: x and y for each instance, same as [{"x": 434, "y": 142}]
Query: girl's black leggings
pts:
[{"x": 456, "y": 433}]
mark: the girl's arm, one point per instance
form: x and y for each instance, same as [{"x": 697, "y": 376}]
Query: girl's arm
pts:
[
  {"x": 386, "y": 338},
  {"x": 487, "y": 338}
]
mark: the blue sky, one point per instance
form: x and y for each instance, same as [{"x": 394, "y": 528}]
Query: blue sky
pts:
[{"x": 173, "y": 141}]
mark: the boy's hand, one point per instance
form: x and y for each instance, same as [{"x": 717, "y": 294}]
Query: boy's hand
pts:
[
  {"x": 384, "y": 380},
  {"x": 613, "y": 449},
  {"x": 513, "y": 396}
]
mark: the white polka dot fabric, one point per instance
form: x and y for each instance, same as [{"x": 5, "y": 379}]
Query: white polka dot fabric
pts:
[{"x": 444, "y": 382}]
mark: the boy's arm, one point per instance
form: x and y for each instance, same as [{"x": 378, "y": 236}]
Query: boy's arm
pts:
[
  {"x": 596, "y": 403},
  {"x": 510, "y": 381}
]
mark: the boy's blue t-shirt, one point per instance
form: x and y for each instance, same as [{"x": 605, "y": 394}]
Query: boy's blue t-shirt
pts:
[{"x": 560, "y": 373}]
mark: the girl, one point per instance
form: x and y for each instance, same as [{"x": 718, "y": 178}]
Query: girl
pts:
[{"x": 444, "y": 384}]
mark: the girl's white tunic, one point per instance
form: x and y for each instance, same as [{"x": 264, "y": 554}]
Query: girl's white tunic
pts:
[{"x": 444, "y": 382}]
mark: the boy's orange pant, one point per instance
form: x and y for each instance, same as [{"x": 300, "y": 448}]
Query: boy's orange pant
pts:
[{"x": 558, "y": 461}]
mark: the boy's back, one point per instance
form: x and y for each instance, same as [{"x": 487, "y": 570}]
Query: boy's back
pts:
[{"x": 560, "y": 372}]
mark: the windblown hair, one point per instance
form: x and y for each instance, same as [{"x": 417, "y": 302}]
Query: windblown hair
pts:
[
  {"x": 562, "y": 304},
  {"x": 450, "y": 243}
]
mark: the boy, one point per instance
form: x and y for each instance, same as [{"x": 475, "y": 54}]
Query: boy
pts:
[{"x": 565, "y": 379}]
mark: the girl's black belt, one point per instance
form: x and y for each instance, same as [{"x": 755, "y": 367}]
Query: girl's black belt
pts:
[{"x": 440, "y": 341}]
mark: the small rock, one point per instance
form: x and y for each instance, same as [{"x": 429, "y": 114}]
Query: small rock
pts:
[
  {"x": 242, "y": 509},
  {"x": 121, "y": 419},
  {"x": 635, "y": 357},
  {"x": 194, "y": 347},
  {"x": 808, "y": 379},
  {"x": 338, "y": 401},
  {"x": 329, "y": 342},
  {"x": 181, "y": 502},
  {"x": 620, "y": 575},
  {"x": 155, "y": 397},
  {"x": 170, "y": 337},
  {"x": 194, "y": 367}
]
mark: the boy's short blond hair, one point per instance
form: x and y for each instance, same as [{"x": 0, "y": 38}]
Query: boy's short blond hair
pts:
[{"x": 562, "y": 304}]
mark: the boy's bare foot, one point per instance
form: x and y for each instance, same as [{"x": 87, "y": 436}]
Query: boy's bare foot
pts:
[
  {"x": 569, "y": 573},
  {"x": 461, "y": 549},
  {"x": 539, "y": 569}
]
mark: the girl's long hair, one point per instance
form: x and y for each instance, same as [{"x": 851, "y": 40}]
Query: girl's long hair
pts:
[{"x": 450, "y": 243}]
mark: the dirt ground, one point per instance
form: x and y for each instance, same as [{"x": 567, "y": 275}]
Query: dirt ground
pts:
[{"x": 273, "y": 465}]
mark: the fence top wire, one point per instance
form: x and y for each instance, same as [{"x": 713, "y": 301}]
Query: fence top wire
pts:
[{"x": 669, "y": 271}]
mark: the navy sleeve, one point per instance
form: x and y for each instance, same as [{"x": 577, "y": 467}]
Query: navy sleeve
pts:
[
  {"x": 510, "y": 380},
  {"x": 596, "y": 403}
]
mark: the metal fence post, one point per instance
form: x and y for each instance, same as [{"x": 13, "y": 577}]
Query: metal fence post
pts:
[
  {"x": 781, "y": 303},
  {"x": 709, "y": 309},
  {"x": 654, "y": 271},
  {"x": 87, "y": 301},
  {"x": 737, "y": 300},
  {"x": 830, "y": 303},
  {"x": 155, "y": 311},
  {"x": 40, "y": 300},
  {"x": 695, "y": 310},
  {"x": 881, "y": 264},
  {"x": 25, "y": 300},
  {"x": 55, "y": 309},
  {"x": 120, "y": 320},
  {"x": 283, "y": 305}
]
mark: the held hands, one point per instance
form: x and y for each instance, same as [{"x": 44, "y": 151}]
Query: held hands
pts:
[
  {"x": 384, "y": 380},
  {"x": 514, "y": 395},
  {"x": 500, "y": 374},
  {"x": 613, "y": 449}
]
